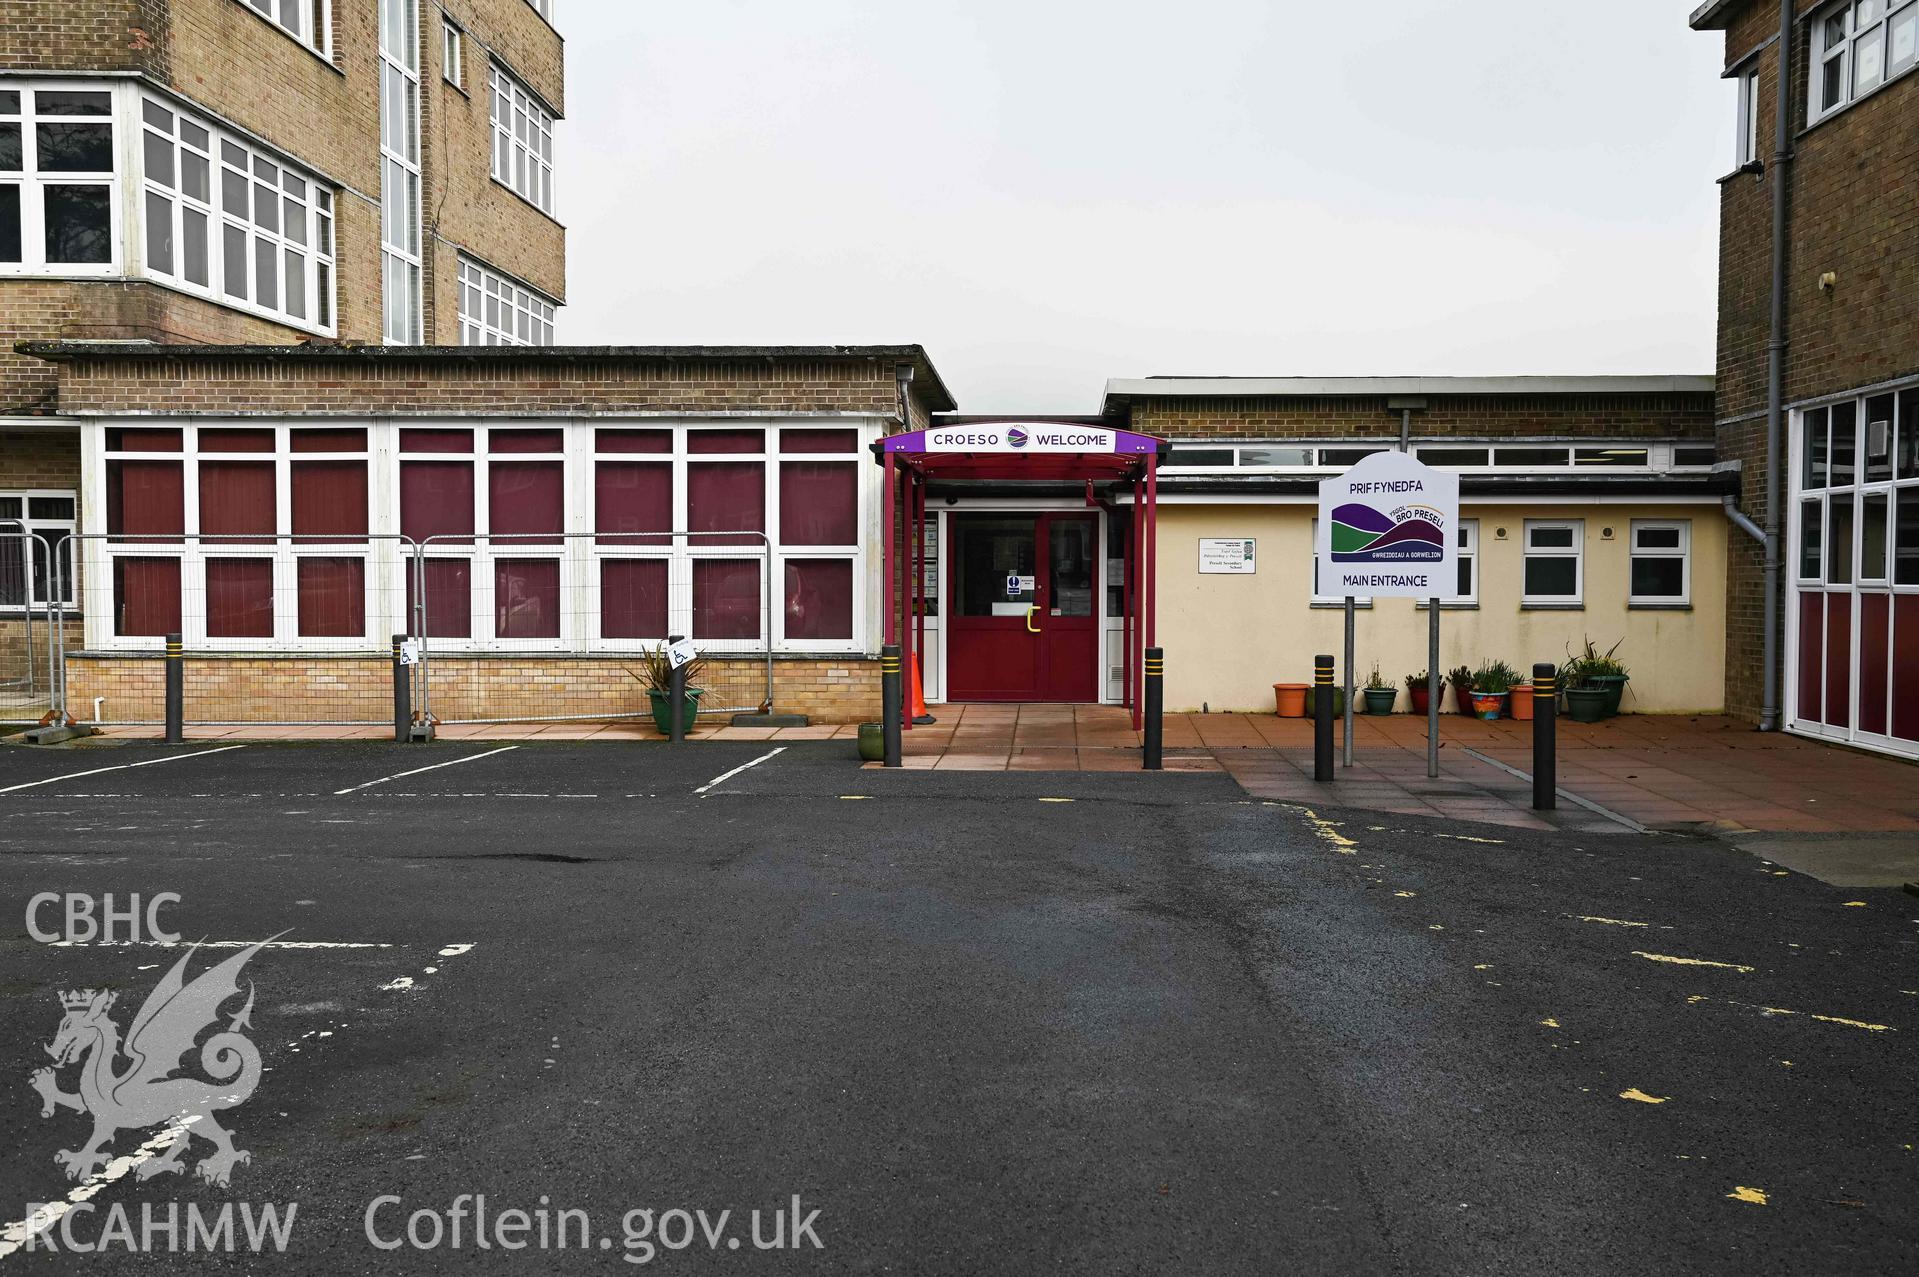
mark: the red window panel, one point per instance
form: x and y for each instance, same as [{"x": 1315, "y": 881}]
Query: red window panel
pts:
[
  {"x": 726, "y": 598},
  {"x": 1875, "y": 639},
  {"x": 138, "y": 440},
  {"x": 632, "y": 496},
  {"x": 436, "y": 499},
  {"x": 818, "y": 599},
  {"x": 146, "y": 597},
  {"x": 633, "y": 441},
  {"x": 633, "y": 598},
  {"x": 239, "y": 598},
  {"x": 1905, "y": 667},
  {"x": 819, "y": 503},
  {"x": 449, "y": 599},
  {"x": 329, "y": 499},
  {"x": 236, "y": 499},
  {"x": 1812, "y": 654},
  {"x": 423, "y": 440},
  {"x": 332, "y": 597},
  {"x": 1839, "y": 661},
  {"x": 525, "y": 441},
  {"x": 726, "y": 496},
  {"x": 819, "y": 440},
  {"x": 145, "y": 498},
  {"x": 246, "y": 440},
  {"x": 526, "y": 598},
  {"x": 328, "y": 439},
  {"x": 526, "y": 499},
  {"x": 726, "y": 441}
]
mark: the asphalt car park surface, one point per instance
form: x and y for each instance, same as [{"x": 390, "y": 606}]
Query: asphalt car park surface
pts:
[{"x": 1079, "y": 1022}]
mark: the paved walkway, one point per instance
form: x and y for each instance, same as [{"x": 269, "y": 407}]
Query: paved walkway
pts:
[{"x": 1698, "y": 773}]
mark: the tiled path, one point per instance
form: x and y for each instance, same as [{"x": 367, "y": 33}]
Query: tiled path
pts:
[{"x": 1660, "y": 772}]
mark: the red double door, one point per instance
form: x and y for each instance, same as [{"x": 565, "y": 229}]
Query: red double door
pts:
[{"x": 1022, "y": 607}]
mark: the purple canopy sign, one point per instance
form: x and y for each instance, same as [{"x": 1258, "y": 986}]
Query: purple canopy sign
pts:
[{"x": 1389, "y": 528}]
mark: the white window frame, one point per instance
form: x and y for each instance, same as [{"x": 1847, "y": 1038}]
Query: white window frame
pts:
[
  {"x": 298, "y": 195},
  {"x": 544, "y": 8},
  {"x": 1577, "y": 553},
  {"x": 401, "y": 260},
  {"x": 1683, "y": 553},
  {"x": 311, "y": 25},
  {"x": 52, "y": 530},
  {"x": 452, "y": 53},
  {"x": 32, "y": 183},
  {"x": 1746, "y": 141},
  {"x": 1862, "y": 25},
  {"x": 498, "y": 310},
  {"x": 522, "y": 138}
]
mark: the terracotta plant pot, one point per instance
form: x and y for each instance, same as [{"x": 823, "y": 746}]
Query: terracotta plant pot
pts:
[
  {"x": 1289, "y": 700},
  {"x": 1521, "y": 703},
  {"x": 1489, "y": 705}
]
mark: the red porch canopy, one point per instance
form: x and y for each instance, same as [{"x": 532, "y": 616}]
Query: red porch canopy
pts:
[{"x": 1019, "y": 451}]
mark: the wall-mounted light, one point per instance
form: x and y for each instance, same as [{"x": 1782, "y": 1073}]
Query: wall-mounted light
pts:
[
  {"x": 1499, "y": 534},
  {"x": 1829, "y": 281},
  {"x": 1605, "y": 534}
]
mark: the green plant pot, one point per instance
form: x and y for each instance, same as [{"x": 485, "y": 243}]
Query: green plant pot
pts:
[
  {"x": 1614, "y": 685},
  {"x": 1586, "y": 704},
  {"x": 663, "y": 709},
  {"x": 1339, "y": 702},
  {"x": 1379, "y": 700},
  {"x": 872, "y": 742}
]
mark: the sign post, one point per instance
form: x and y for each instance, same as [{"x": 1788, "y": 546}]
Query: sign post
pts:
[{"x": 1389, "y": 528}]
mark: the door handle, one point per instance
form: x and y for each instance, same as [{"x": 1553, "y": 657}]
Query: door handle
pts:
[{"x": 1030, "y": 627}]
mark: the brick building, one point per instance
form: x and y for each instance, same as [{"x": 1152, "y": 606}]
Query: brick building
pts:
[{"x": 1819, "y": 363}]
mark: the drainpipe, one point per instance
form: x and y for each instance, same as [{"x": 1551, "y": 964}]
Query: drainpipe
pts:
[
  {"x": 1775, "y": 372},
  {"x": 1739, "y": 519}
]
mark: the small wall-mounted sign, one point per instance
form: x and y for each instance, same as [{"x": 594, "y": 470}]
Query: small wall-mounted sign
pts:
[{"x": 1222, "y": 555}]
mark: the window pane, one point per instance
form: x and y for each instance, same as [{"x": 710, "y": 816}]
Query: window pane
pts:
[
  {"x": 193, "y": 246},
  {"x": 73, "y": 102},
  {"x": 1868, "y": 60},
  {"x": 1609, "y": 456},
  {"x": 1465, "y": 565},
  {"x": 12, "y": 154},
  {"x": 1529, "y": 456},
  {"x": 726, "y": 598},
  {"x": 633, "y": 440},
  {"x": 1694, "y": 456},
  {"x": 818, "y": 599},
  {"x": 75, "y": 148},
  {"x": 193, "y": 176},
  {"x": 13, "y": 565},
  {"x": 79, "y": 224},
  {"x": 1345, "y": 456},
  {"x": 436, "y": 441},
  {"x": 1275, "y": 456},
  {"x": 1839, "y": 551},
  {"x": 1658, "y": 578},
  {"x": 525, "y": 498},
  {"x": 236, "y": 498},
  {"x": 332, "y": 597},
  {"x": 121, "y": 439},
  {"x": 449, "y": 599},
  {"x": 145, "y": 498},
  {"x": 233, "y": 244},
  {"x": 1454, "y": 456},
  {"x": 327, "y": 439},
  {"x": 632, "y": 496},
  {"x": 1845, "y": 444},
  {"x": 436, "y": 498},
  {"x": 158, "y": 153},
  {"x": 329, "y": 499},
  {"x": 725, "y": 496},
  {"x": 1200, "y": 457},
  {"x": 266, "y": 273},
  {"x": 1551, "y": 578},
  {"x": 146, "y": 597},
  {"x": 1815, "y": 448},
  {"x": 819, "y": 503},
  {"x": 1656, "y": 538},
  {"x": 1907, "y": 464},
  {"x": 526, "y": 598},
  {"x": 49, "y": 507},
  {"x": 239, "y": 598},
  {"x": 1811, "y": 539},
  {"x": 725, "y": 440},
  {"x": 1878, "y": 438},
  {"x": 525, "y": 441},
  {"x": 1550, "y": 538},
  {"x": 633, "y": 598},
  {"x": 819, "y": 440},
  {"x": 9, "y": 224},
  {"x": 1874, "y": 516},
  {"x": 159, "y": 228},
  {"x": 1906, "y": 539},
  {"x": 1905, "y": 40}
]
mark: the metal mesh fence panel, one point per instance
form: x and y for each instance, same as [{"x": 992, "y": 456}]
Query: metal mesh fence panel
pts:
[
  {"x": 554, "y": 626},
  {"x": 278, "y": 629},
  {"x": 31, "y": 622}
]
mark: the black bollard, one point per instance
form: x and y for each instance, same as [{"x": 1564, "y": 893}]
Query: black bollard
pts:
[
  {"x": 890, "y": 704},
  {"x": 675, "y": 697},
  {"x": 1545, "y": 737},
  {"x": 1153, "y": 750},
  {"x": 1322, "y": 718},
  {"x": 176, "y": 690},
  {"x": 402, "y": 693}
]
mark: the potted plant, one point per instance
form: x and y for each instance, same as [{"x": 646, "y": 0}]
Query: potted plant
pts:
[
  {"x": 1604, "y": 670},
  {"x": 1585, "y": 704},
  {"x": 872, "y": 742},
  {"x": 1461, "y": 678},
  {"x": 657, "y": 675},
  {"x": 1419, "y": 689},
  {"x": 1339, "y": 702},
  {"x": 1289, "y": 700},
  {"x": 1492, "y": 684},
  {"x": 1379, "y": 696},
  {"x": 1520, "y": 705}
]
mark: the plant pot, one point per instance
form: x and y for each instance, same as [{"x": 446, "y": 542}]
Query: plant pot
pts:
[
  {"x": 1586, "y": 704},
  {"x": 1463, "y": 699},
  {"x": 1422, "y": 698},
  {"x": 1521, "y": 703},
  {"x": 1379, "y": 700},
  {"x": 663, "y": 709},
  {"x": 1289, "y": 700},
  {"x": 1339, "y": 702},
  {"x": 1614, "y": 685},
  {"x": 872, "y": 742},
  {"x": 1489, "y": 705}
]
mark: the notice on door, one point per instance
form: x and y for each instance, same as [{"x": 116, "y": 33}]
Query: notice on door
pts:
[{"x": 1227, "y": 555}]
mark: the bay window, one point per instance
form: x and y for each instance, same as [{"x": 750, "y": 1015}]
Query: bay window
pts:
[
  {"x": 498, "y": 311},
  {"x": 1856, "y": 47},
  {"x": 522, "y": 140}
]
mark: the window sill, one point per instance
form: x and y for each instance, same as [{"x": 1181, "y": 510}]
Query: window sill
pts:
[
  {"x": 1846, "y": 106},
  {"x": 1649, "y": 605},
  {"x": 1755, "y": 168},
  {"x": 296, "y": 41},
  {"x": 1529, "y": 605}
]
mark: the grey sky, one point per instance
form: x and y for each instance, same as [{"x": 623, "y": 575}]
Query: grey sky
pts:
[{"x": 1046, "y": 194}]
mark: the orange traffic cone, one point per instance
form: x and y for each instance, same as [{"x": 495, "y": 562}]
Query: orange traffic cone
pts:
[{"x": 920, "y": 716}]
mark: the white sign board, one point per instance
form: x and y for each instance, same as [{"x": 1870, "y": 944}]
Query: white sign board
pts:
[
  {"x": 410, "y": 651},
  {"x": 1389, "y": 528},
  {"x": 680, "y": 653},
  {"x": 1219, "y": 555}
]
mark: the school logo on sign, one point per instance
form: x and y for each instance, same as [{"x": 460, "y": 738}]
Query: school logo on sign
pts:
[
  {"x": 1016, "y": 437},
  {"x": 1388, "y": 527},
  {"x": 1366, "y": 534}
]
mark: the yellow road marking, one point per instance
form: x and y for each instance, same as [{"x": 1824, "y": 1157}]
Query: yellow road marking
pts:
[
  {"x": 1550, "y": 1022},
  {"x": 1853, "y": 904},
  {"x": 1690, "y": 962},
  {"x": 1406, "y": 895},
  {"x": 1329, "y": 830},
  {"x": 1757, "y": 1196},
  {"x": 1810, "y": 1015},
  {"x": 1634, "y": 1093},
  {"x": 1611, "y": 922}
]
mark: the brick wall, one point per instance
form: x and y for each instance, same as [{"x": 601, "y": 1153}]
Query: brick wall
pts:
[
  {"x": 40, "y": 459},
  {"x": 103, "y": 35},
  {"x": 1618, "y": 416}
]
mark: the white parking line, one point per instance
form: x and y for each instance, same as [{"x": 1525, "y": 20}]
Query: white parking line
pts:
[
  {"x": 174, "y": 758},
  {"x": 417, "y": 770},
  {"x": 737, "y": 770}
]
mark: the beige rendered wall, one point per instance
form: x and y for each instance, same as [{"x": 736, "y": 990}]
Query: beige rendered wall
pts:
[{"x": 1228, "y": 639}]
